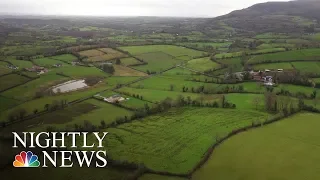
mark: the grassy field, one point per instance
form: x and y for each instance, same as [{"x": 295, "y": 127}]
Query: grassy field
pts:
[
  {"x": 273, "y": 66},
  {"x": 317, "y": 80},
  {"x": 4, "y": 69},
  {"x": 159, "y": 95},
  {"x": 74, "y": 173},
  {"x": 305, "y": 54},
  {"x": 284, "y": 148},
  {"x": 175, "y": 51},
  {"x": 307, "y": 67},
  {"x": 129, "y": 61},
  {"x": 102, "y": 54},
  {"x": 11, "y": 80},
  {"x": 48, "y": 62},
  {"x": 185, "y": 136},
  {"x": 21, "y": 63},
  {"x": 271, "y": 36},
  {"x": 203, "y": 64},
  {"x": 80, "y": 71},
  {"x": 206, "y": 44},
  {"x": 158, "y": 177},
  {"x": 253, "y": 52},
  {"x": 39, "y": 104},
  {"x": 157, "y": 61},
  {"x": 6, "y": 103},
  {"x": 125, "y": 71},
  {"x": 28, "y": 91},
  {"x": 275, "y": 45},
  {"x": 65, "y": 58}
]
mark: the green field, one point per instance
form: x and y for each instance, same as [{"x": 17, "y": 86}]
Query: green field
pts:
[
  {"x": 253, "y": 52},
  {"x": 178, "y": 139},
  {"x": 68, "y": 58},
  {"x": 11, "y": 80},
  {"x": 80, "y": 71},
  {"x": 48, "y": 62},
  {"x": 271, "y": 36},
  {"x": 204, "y": 45},
  {"x": 275, "y": 45},
  {"x": 263, "y": 153},
  {"x": 203, "y": 64},
  {"x": 305, "y": 54},
  {"x": 21, "y": 63},
  {"x": 158, "y": 177},
  {"x": 273, "y": 66},
  {"x": 4, "y": 69},
  {"x": 175, "y": 51},
  {"x": 307, "y": 67},
  {"x": 157, "y": 61},
  {"x": 6, "y": 103},
  {"x": 129, "y": 61},
  {"x": 28, "y": 91},
  {"x": 159, "y": 95}
]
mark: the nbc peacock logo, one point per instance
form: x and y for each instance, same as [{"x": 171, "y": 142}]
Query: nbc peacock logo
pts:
[{"x": 26, "y": 160}]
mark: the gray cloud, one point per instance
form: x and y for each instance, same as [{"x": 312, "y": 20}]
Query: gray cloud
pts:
[{"x": 189, "y": 8}]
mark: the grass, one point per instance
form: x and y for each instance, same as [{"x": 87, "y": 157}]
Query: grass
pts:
[
  {"x": 203, "y": 64},
  {"x": 48, "y": 62},
  {"x": 6, "y": 103},
  {"x": 159, "y": 95},
  {"x": 178, "y": 139},
  {"x": 74, "y": 173},
  {"x": 157, "y": 61},
  {"x": 40, "y": 103},
  {"x": 273, "y": 66},
  {"x": 159, "y": 177},
  {"x": 102, "y": 54},
  {"x": 125, "y": 71},
  {"x": 305, "y": 54},
  {"x": 206, "y": 44},
  {"x": 115, "y": 80},
  {"x": 129, "y": 61},
  {"x": 284, "y": 147},
  {"x": 175, "y": 51},
  {"x": 20, "y": 63},
  {"x": 27, "y": 91},
  {"x": 253, "y": 52},
  {"x": 165, "y": 82},
  {"x": 11, "y": 80},
  {"x": 307, "y": 67},
  {"x": 317, "y": 80},
  {"x": 4, "y": 69},
  {"x": 80, "y": 71},
  {"x": 271, "y": 36},
  {"x": 68, "y": 58},
  {"x": 275, "y": 45}
]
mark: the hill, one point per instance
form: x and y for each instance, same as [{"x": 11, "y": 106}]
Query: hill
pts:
[{"x": 292, "y": 16}]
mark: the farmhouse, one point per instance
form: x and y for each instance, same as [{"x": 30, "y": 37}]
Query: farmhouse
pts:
[
  {"x": 10, "y": 66},
  {"x": 57, "y": 65},
  {"x": 114, "y": 99},
  {"x": 38, "y": 69}
]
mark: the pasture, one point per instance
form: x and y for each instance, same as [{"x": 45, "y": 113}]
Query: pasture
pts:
[
  {"x": 21, "y": 63},
  {"x": 178, "y": 138},
  {"x": 4, "y": 69},
  {"x": 175, "y": 51},
  {"x": 11, "y": 80},
  {"x": 273, "y": 66},
  {"x": 301, "y": 55},
  {"x": 80, "y": 71},
  {"x": 28, "y": 91},
  {"x": 307, "y": 67},
  {"x": 157, "y": 61},
  {"x": 67, "y": 58},
  {"x": 126, "y": 71},
  {"x": 48, "y": 62},
  {"x": 285, "y": 147},
  {"x": 102, "y": 54},
  {"x": 129, "y": 61},
  {"x": 202, "y": 64},
  {"x": 6, "y": 103}
]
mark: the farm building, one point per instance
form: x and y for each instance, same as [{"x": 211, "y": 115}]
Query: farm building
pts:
[
  {"x": 38, "y": 69},
  {"x": 114, "y": 99},
  {"x": 57, "y": 65},
  {"x": 10, "y": 66}
]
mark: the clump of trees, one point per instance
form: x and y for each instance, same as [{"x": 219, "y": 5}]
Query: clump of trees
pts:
[
  {"x": 108, "y": 68},
  {"x": 90, "y": 81}
]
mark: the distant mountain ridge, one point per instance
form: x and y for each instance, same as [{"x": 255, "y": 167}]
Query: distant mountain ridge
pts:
[{"x": 292, "y": 16}]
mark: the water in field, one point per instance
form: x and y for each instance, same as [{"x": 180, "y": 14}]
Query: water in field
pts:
[{"x": 69, "y": 86}]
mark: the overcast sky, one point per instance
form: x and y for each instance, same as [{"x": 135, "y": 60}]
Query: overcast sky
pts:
[{"x": 186, "y": 8}]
